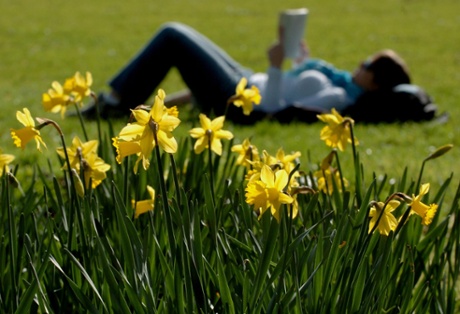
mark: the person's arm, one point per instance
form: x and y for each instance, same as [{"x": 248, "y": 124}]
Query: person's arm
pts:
[
  {"x": 271, "y": 98},
  {"x": 303, "y": 56}
]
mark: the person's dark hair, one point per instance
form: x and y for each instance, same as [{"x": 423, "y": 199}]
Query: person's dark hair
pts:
[{"x": 389, "y": 69}]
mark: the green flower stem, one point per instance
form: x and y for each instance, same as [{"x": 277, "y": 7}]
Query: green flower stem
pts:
[
  {"x": 353, "y": 144},
  {"x": 211, "y": 175},
  {"x": 176, "y": 181},
  {"x": 98, "y": 115},
  {"x": 125, "y": 183},
  {"x": 71, "y": 189},
  {"x": 419, "y": 180},
  {"x": 356, "y": 164},
  {"x": 328, "y": 195},
  {"x": 229, "y": 103},
  {"x": 45, "y": 122},
  {"x": 74, "y": 201},
  {"x": 170, "y": 228},
  {"x": 12, "y": 236},
  {"x": 288, "y": 225},
  {"x": 81, "y": 122},
  {"x": 69, "y": 167},
  {"x": 342, "y": 183}
]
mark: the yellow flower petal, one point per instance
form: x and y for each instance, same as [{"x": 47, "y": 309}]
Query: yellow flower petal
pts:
[
  {"x": 125, "y": 149},
  {"x": 197, "y": 132},
  {"x": 223, "y": 134},
  {"x": 167, "y": 142},
  {"x": 200, "y": 145},
  {"x": 205, "y": 122},
  {"x": 169, "y": 123},
  {"x": 387, "y": 222},
  {"x": 25, "y": 118},
  {"x": 131, "y": 132},
  {"x": 217, "y": 123},
  {"x": 142, "y": 117}
]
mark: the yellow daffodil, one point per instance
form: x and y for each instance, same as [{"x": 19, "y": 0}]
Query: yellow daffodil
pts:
[
  {"x": 268, "y": 191},
  {"x": 427, "y": 212},
  {"x": 144, "y": 206},
  {"x": 337, "y": 131},
  {"x": 94, "y": 169},
  {"x": 22, "y": 136},
  {"x": 85, "y": 154},
  {"x": 287, "y": 161},
  {"x": 5, "y": 160},
  {"x": 247, "y": 152},
  {"x": 267, "y": 159},
  {"x": 173, "y": 111},
  {"x": 78, "y": 86},
  {"x": 55, "y": 100},
  {"x": 157, "y": 123},
  {"x": 246, "y": 97},
  {"x": 387, "y": 222},
  {"x": 125, "y": 149},
  {"x": 324, "y": 180},
  {"x": 210, "y": 133},
  {"x": 78, "y": 150}
]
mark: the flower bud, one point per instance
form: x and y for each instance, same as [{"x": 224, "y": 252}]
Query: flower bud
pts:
[
  {"x": 440, "y": 151},
  {"x": 78, "y": 183}
]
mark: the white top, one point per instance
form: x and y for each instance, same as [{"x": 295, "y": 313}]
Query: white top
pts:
[{"x": 310, "y": 89}]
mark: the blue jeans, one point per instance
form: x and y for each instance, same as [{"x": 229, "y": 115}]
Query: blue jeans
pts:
[{"x": 208, "y": 71}]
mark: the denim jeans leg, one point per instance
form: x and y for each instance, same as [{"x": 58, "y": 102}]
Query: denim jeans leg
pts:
[{"x": 209, "y": 72}]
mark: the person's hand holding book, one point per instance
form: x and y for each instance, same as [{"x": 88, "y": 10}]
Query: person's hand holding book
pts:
[{"x": 304, "y": 53}]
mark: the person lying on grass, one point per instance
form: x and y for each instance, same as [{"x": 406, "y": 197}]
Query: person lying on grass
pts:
[{"x": 211, "y": 75}]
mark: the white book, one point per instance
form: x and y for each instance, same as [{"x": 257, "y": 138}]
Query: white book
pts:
[{"x": 293, "y": 22}]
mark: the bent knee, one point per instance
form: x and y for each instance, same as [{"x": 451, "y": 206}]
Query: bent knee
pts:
[{"x": 172, "y": 28}]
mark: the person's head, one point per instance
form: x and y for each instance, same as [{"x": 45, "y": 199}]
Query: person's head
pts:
[{"x": 384, "y": 70}]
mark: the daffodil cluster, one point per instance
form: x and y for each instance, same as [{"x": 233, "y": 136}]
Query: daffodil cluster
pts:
[
  {"x": 268, "y": 191},
  {"x": 271, "y": 180},
  {"x": 84, "y": 159},
  {"x": 80, "y": 157},
  {"x": 74, "y": 90},
  {"x": 327, "y": 177},
  {"x": 381, "y": 214},
  {"x": 152, "y": 127}
]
